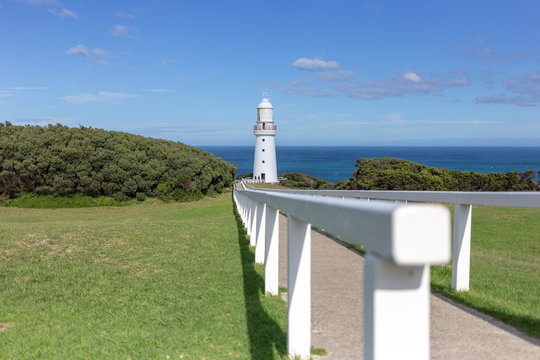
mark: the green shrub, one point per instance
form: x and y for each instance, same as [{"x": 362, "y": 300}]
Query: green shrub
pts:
[
  {"x": 32, "y": 200},
  {"x": 56, "y": 159},
  {"x": 180, "y": 195},
  {"x": 299, "y": 180},
  {"x": 398, "y": 174}
]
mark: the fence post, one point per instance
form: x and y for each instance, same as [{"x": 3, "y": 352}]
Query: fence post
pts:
[
  {"x": 240, "y": 204},
  {"x": 248, "y": 215},
  {"x": 461, "y": 249},
  {"x": 271, "y": 267},
  {"x": 260, "y": 247},
  {"x": 244, "y": 209},
  {"x": 396, "y": 310},
  {"x": 299, "y": 288},
  {"x": 253, "y": 225}
]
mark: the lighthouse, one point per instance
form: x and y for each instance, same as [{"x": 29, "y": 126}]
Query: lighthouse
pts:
[{"x": 264, "y": 161}]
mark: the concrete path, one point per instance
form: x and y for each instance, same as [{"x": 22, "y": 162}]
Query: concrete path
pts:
[{"x": 457, "y": 332}]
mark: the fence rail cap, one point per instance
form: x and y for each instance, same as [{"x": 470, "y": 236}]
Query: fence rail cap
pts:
[
  {"x": 407, "y": 235},
  {"x": 525, "y": 199}
]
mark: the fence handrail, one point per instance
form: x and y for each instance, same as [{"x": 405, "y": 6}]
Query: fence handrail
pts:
[
  {"x": 462, "y": 201},
  {"x": 388, "y": 229},
  {"x": 402, "y": 241},
  {"x": 523, "y": 199},
  {"x": 255, "y": 180}
]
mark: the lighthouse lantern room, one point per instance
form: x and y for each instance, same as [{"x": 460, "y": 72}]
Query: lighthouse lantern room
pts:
[{"x": 264, "y": 161}]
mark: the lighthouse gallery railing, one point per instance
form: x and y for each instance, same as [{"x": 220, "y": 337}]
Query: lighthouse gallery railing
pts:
[
  {"x": 270, "y": 127},
  {"x": 402, "y": 241}
]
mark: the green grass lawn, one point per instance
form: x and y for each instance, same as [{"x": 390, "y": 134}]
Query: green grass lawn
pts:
[
  {"x": 177, "y": 280},
  {"x": 147, "y": 281},
  {"x": 505, "y": 267}
]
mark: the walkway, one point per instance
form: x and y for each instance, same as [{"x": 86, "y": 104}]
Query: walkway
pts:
[{"x": 456, "y": 332}]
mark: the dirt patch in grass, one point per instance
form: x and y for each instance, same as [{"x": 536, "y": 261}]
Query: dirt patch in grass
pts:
[{"x": 4, "y": 326}]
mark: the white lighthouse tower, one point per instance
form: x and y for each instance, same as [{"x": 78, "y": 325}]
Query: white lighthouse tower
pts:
[{"x": 264, "y": 161}]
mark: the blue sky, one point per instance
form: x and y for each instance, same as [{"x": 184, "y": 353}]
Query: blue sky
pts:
[{"x": 339, "y": 73}]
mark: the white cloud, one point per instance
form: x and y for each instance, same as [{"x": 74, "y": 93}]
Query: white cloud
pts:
[
  {"x": 99, "y": 52},
  {"x": 119, "y": 30},
  {"x": 78, "y": 50},
  {"x": 412, "y": 76},
  {"x": 104, "y": 62},
  {"x": 314, "y": 64},
  {"x": 405, "y": 84},
  {"x": 81, "y": 50},
  {"x": 394, "y": 87},
  {"x": 4, "y": 93},
  {"x": 402, "y": 84},
  {"x": 102, "y": 96},
  {"x": 528, "y": 85},
  {"x": 64, "y": 13},
  {"x": 525, "y": 91}
]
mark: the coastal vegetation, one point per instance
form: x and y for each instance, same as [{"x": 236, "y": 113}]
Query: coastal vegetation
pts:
[
  {"x": 58, "y": 160},
  {"x": 152, "y": 280},
  {"x": 32, "y": 200},
  {"x": 304, "y": 181},
  {"x": 398, "y": 174}
]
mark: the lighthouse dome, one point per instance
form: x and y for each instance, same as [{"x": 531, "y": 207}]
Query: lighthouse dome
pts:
[
  {"x": 265, "y": 111},
  {"x": 265, "y": 104}
]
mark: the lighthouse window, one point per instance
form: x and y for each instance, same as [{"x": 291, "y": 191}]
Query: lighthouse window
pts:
[
  {"x": 263, "y": 150},
  {"x": 263, "y": 161},
  {"x": 263, "y": 139}
]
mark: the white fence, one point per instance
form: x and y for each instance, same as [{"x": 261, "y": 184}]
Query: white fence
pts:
[
  {"x": 462, "y": 201},
  {"x": 255, "y": 180},
  {"x": 402, "y": 242}
]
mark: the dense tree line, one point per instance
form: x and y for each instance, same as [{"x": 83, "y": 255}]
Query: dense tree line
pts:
[
  {"x": 398, "y": 174},
  {"x": 56, "y": 159}
]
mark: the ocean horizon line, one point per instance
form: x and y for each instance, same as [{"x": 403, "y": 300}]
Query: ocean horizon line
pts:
[
  {"x": 384, "y": 146},
  {"x": 336, "y": 163}
]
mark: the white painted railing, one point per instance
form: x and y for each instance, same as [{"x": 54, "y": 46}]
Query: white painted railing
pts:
[
  {"x": 255, "y": 180},
  {"x": 402, "y": 242},
  {"x": 462, "y": 201}
]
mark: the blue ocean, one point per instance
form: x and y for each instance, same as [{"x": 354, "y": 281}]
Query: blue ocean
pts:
[{"x": 336, "y": 163}]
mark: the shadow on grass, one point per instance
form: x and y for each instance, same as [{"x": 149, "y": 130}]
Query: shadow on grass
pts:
[{"x": 265, "y": 334}]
